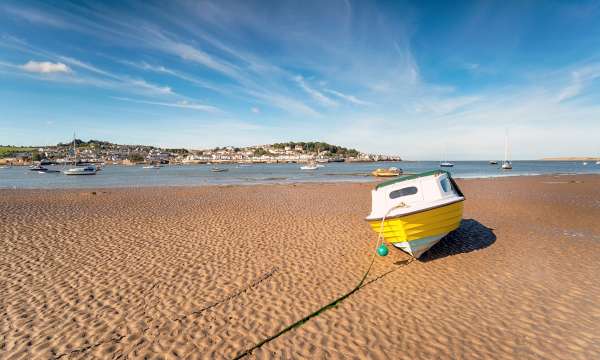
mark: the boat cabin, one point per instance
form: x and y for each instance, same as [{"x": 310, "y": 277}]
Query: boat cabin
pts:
[{"x": 413, "y": 193}]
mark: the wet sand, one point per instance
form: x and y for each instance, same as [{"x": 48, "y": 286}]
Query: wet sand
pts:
[{"x": 207, "y": 272}]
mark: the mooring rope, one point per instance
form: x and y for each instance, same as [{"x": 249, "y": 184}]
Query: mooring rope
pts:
[{"x": 335, "y": 302}]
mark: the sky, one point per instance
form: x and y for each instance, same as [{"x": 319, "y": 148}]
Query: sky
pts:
[{"x": 423, "y": 80}]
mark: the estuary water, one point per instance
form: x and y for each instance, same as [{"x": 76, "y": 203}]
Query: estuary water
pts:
[{"x": 191, "y": 175}]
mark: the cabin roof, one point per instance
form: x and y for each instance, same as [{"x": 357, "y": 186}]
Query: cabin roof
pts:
[{"x": 410, "y": 177}]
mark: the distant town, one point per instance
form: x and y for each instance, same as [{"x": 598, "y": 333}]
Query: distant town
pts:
[{"x": 103, "y": 152}]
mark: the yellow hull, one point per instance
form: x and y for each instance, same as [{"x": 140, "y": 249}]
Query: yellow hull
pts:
[{"x": 441, "y": 220}]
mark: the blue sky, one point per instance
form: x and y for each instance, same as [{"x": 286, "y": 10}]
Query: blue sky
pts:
[{"x": 417, "y": 79}]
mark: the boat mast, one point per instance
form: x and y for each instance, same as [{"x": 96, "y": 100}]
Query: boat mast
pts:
[
  {"x": 506, "y": 147},
  {"x": 74, "y": 150}
]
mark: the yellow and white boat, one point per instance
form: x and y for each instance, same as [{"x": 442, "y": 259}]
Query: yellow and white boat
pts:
[
  {"x": 390, "y": 172},
  {"x": 414, "y": 212}
]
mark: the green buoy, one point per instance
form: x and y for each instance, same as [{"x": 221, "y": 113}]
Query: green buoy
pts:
[{"x": 382, "y": 250}]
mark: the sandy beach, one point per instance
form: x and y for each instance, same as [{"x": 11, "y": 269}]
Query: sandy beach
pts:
[{"x": 207, "y": 272}]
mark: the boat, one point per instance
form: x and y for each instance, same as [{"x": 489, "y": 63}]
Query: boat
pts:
[
  {"x": 584, "y": 163},
  {"x": 38, "y": 168},
  {"x": 390, "y": 172},
  {"x": 493, "y": 162},
  {"x": 446, "y": 163},
  {"x": 415, "y": 212},
  {"x": 597, "y": 162},
  {"x": 310, "y": 166},
  {"x": 153, "y": 166},
  {"x": 82, "y": 170},
  {"x": 322, "y": 160},
  {"x": 216, "y": 169},
  {"x": 506, "y": 164}
]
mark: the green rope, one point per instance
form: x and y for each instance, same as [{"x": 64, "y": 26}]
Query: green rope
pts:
[
  {"x": 308, "y": 317},
  {"x": 335, "y": 302}
]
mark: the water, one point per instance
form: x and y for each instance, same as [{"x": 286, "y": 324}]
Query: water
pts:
[{"x": 192, "y": 175}]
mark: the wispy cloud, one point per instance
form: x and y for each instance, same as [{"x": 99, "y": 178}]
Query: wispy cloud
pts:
[
  {"x": 580, "y": 78},
  {"x": 347, "y": 97},
  {"x": 315, "y": 94},
  {"x": 183, "y": 104}
]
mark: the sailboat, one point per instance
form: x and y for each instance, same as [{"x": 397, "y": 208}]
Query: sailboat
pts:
[
  {"x": 80, "y": 170},
  {"x": 506, "y": 164},
  {"x": 446, "y": 163}
]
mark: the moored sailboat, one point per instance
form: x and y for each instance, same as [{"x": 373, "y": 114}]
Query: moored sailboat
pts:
[
  {"x": 506, "y": 164},
  {"x": 80, "y": 170}
]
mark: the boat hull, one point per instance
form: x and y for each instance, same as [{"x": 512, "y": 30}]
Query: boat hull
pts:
[{"x": 417, "y": 232}]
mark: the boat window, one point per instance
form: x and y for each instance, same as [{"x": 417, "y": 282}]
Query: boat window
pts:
[
  {"x": 403, "y": 192},
  {"x": 446, "y": 184}
]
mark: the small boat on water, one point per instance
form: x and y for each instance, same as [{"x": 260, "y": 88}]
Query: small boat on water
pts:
[
  {"x": 414, "y": 212},
  {"x": 493, "y": 162},
  {"x": 597, "y": 162},
  {"x": 506, "y": 164},
  {"x": 446, "y": 164},
  {"x": 389, "y": 172},
  {"x": 38, "y": 168},
  {"x": 216, "y": 169},
  {"x": 584, "y": 163},
  {"x": 153, "y": 166},
  {"x": 310, "y": 166},
  {"x": 82, "y": 170}
]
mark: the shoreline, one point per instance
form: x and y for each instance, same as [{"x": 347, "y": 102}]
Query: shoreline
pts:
[{"x": 283, "y": 183}]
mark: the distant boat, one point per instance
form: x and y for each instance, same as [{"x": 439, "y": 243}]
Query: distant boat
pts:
[
  {"x": 584, "y": 163},
  {"x": 445, "y": 162},
  {"x": 390, "y": 172},
  {"x": 38, "y": 168},
  {"x": 597, "y": 162},
  {"x": 322, "y": 160},
  {"x": 309, "y": 167},
  {"x": 506, "y": 164},
  {"x": 216, "y": 169},
  {"x": 153, "y": 166},
  {"x": 493, "y": 162},
  {"x": 80, "y": 170}
]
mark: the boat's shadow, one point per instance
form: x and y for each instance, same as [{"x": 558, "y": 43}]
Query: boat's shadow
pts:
[{"x": 470, "y": 236}]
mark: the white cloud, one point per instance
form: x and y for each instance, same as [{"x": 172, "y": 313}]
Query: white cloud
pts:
[
  {"x": 317, "y": 95},
  {"x": 349, "y": 98},
  {"x": 579, "y": 79},
  {"x": 183, "y": 104},
  {"x": 255, "y": 110},
  {"x": 46, "y": 67}
]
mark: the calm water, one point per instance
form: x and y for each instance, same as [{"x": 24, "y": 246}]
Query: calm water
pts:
[{"x": 178, "y": 175}]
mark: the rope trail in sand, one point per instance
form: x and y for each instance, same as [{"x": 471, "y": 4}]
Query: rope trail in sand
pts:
[{"x": 337, "y": 301}]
